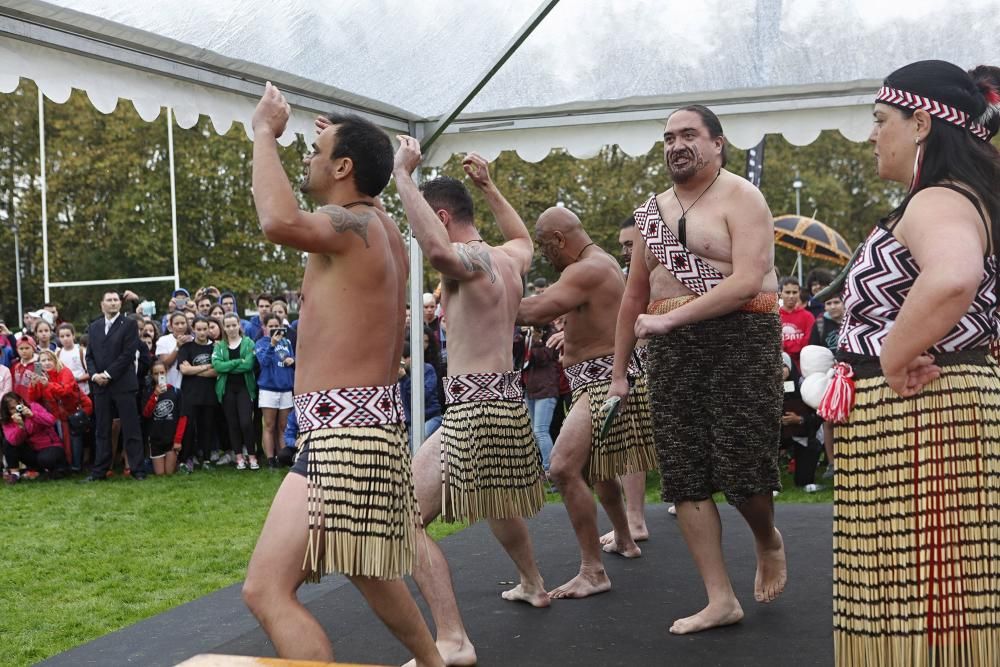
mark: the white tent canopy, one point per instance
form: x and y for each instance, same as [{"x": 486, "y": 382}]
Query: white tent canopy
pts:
[{"x": 594, "y": 72}]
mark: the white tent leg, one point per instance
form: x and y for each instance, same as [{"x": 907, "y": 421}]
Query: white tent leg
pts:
[
  {"x": 44, "y": 188},
  {"x": 173, "y": 196}
]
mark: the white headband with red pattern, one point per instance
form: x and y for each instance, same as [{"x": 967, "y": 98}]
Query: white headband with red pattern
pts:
[{"x": 908, "y": 100}]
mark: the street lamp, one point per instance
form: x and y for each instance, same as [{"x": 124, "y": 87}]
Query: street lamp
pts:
[{"x": 797, "y": 186}]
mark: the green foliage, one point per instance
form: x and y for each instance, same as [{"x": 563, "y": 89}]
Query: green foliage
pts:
[{"x": 83, "y": 561}]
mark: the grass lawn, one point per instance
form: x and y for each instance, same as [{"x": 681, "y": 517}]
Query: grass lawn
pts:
[{"x": 83, "y": 560}]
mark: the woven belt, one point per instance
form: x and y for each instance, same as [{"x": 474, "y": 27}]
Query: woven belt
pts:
[
  {"x": 866, "y": 367},
  {"x": 597, "y": 370},
  {"x": 764, "y": 302},
  {"x": 483, "y": 387},
  {"x": 351, "y": 406}
]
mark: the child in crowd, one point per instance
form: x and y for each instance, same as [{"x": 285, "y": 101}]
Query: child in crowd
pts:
[
  {"x": 166, "y": 425},
  {"x": 56, "y": 389},
  {"x": 43, "y": 336},
  {"x": 73, "y": 356},
  {"x": 236, "y": 388},
  {"x": 30, "y": 439},
  {"x": 275, "y": 383},
  {"x": 24, "y": 368}
]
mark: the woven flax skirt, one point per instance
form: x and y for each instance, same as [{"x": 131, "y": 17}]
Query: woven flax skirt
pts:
[{"x": 917, "y": 523}]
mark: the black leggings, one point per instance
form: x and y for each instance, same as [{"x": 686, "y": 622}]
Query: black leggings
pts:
[
  {"x": 50, "y": 458},
  {"x": 238, "y": 406},
  {"x": 198, "y": 435}
]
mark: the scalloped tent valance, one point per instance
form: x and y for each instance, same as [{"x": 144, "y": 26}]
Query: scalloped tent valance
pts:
[{"x": 594, "y": 72}]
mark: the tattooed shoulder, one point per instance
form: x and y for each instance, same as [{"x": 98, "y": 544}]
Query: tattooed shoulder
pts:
[
  {"x": 476, "y": 258},
  {"x": 344, "y": 221}
]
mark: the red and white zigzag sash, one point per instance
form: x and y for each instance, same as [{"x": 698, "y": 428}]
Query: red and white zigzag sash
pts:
[
  {"x": 483, "y": 387},
  {"x": 596, "y": 370},
  {"x": 695, "y": 273},
  {"x": 351, "y": 406}
]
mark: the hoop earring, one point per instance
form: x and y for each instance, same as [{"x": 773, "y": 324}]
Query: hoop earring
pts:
[{"x": 918, "y": 162}]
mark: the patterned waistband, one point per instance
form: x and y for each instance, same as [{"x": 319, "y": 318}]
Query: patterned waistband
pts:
[
  {"x": 351, "y": 406},
  {"x": 483, "y": 387},
  {"x": 764, "y": 302},
  {"x": 866, "y": 367},
  {"x": 597, "y": 370}
]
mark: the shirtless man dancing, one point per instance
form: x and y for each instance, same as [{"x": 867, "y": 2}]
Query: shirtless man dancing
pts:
[
  {"x": 483, "y": 463},
  {"x": 589, "y": 293},
  {"x": 702, "y": 289},
  {"x": 348, "y": 504}
]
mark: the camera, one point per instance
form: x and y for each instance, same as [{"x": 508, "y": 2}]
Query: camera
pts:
[
  {"x": 161, "y": 381},
  {"x": 147, "y": 308},
  {"x": 279, "y": 331},
  {"x": 20, "y": 408}
]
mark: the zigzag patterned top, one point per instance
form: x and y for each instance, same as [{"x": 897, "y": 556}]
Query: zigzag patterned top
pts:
[
  {"x": 695, "y": 273},
  {"x": 877, "y": 285},
  {"x": 483, "y": 387},
  {"x": 351, "y": 406}
]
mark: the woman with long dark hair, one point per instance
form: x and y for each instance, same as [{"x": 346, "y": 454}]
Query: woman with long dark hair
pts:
[
  {"x": 29, "y": 438},
  {"x": 236, "y": 388},
  {"x": 917, "y": 509}
]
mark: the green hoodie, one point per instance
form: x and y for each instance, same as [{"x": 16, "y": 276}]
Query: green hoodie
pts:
[{"x": 225, "y": 366}]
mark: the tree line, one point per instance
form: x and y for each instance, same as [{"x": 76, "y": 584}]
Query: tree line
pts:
[{"x": 109, "y": 200}]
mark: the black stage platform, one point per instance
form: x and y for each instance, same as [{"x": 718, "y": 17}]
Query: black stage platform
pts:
[{"x": 627, "y": 626}]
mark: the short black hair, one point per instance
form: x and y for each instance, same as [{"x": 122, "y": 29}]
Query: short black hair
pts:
[
  {"x": 822, "y": 276},
  {"x": 627, "y": 222},
  {"x": 202, "y": 298},
  {"x": 789, "y": 280},
  {"x": 198, "y": 319},
  {"x": 266, "y": 297},
  {"x": 712, "y": 123},
  {"x": 111, "y": 291},
  {"x": 369, "y": 149},
  {"x": 451, "y": 195}
]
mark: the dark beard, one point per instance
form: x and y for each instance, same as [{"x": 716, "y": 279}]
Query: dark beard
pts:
[{"x": 682, "y": 175}]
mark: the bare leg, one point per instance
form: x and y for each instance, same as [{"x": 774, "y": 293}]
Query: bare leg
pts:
[
  {"x": 702, "y": 529},
  {"x": 828, "y": 442},
  {"x": 275, "y": 573},
  {"x": 159, "y": 466},
  {"x": 170, "y": 462},
  {"x": 392, "y": 603},
  {"x": 634, "y": 485},
  {"x": 569, "y": 456},
  {"x": 771, "y": 569},
  {"x": 267, "y": 439},
  {"x": 431, "y": 571},
  {"x": 610, "y": 495},
  {"x": 513, "y": 536}
]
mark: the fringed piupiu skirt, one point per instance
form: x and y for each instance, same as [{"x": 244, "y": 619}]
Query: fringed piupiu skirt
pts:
[
  {"x": 916, "y": 543},
  {"x": 363, "y": 512},
  {"x": 491, "y": 466},
  {"x": 628, "y": 445}
]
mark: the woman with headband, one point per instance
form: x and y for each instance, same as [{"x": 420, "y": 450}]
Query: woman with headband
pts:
[{"x": 917, "y": 510}]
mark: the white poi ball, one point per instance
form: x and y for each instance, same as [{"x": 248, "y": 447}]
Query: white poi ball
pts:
[
  {"x": 815, "y": 359},
  {"x": 813, "y": 388}
]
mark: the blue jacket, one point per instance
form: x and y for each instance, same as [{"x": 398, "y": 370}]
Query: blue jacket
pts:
[
  {"x": 291, "y": 434},
  {"x": 432, "y": 408},
  {"x": 274, "y": 376}
]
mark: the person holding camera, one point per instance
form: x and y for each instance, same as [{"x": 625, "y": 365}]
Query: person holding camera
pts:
[
  {"x": 24, "y": 366},
  {"x": 30, "y": 439},
  {"x": 277, "y": 378},
  {"x": 55, "y": 388},
  {"x": 164, "y": 421}
]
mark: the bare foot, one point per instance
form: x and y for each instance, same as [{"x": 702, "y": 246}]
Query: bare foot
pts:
[
  {"x": 639, "y": 534},
  {"x": 771, "y": 570},
  {"x": 534, "y": 597},
  {"x": 582, "y": 585},
  {"x": 709, "y": 617},
  {"x": 627, "y": 549},
  {"x": 454, "y": 654}
]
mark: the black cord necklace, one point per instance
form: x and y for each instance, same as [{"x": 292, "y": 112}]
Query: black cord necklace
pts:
[
  {"x": 360, "y": 202},
  {"x": 682, "y": 221},
  {"x": 580, "y": 254}
]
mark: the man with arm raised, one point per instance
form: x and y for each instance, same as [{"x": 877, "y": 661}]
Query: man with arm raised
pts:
[
  {"x": 483, "y": 463},
  {"x": 589, "y": 292},
  {"x": 348, "y": 503}
]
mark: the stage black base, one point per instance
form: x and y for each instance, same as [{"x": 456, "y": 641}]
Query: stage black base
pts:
[{"x": 626, "y": 626}]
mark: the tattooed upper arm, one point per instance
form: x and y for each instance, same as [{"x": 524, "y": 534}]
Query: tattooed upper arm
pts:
[
  {"x": 343, "y": 221},
  {"x": 476, "y": 259}
]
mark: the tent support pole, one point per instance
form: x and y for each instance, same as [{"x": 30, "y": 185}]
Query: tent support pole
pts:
[{"x": 433, "y": 131}]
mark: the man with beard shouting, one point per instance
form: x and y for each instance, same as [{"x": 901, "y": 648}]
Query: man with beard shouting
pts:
[{"x": 702, "y": 290}]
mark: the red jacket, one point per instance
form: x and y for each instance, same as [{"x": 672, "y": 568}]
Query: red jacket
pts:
[
  {"x": 796, "y": 326},
  {"x": 60, "y": 396}
]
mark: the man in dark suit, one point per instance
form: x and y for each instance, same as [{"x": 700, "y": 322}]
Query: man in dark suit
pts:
[{"x": 111, "y": 358}]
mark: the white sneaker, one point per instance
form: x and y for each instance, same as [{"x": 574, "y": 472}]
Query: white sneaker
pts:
[
  {"x": 254, "y": 465},
  {"x": 241, "y": 464},
  {"x": 225, "y": 460}
]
